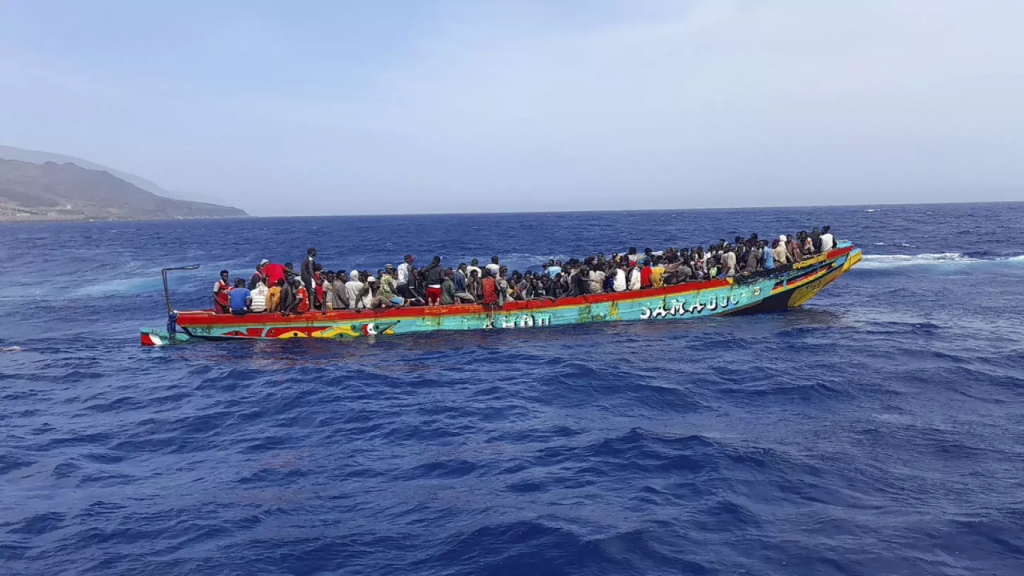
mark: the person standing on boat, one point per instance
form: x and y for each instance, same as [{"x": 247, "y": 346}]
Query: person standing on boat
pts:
[
  {"x": 826, "y": 239},
  {"x": 493, "y": 266},
  {"x": 434, "y": 276},
  {"x": 308, "y": 271},
  {"x": 489, "y": 289},
  {"x": 221, "y": 289},
  {"x": 729, "y": 262},
  {"x": 354, "y": 289},
  {"x": 339, "y": 296},
  {"x": 779, "y": 252},
  {"x": 768, "y": 256},
  {"x": 258, "y": 276},
  {"x": 402, "y": 281},
  {"x": 633, "y": 282}
]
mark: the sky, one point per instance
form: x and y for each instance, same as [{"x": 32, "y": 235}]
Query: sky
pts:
[{"x": 417, "y": 106}]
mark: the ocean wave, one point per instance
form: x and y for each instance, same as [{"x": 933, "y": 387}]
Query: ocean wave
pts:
[{"x": 946, "y": 258}]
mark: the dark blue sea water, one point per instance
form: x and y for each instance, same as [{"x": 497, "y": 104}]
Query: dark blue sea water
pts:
[{"x": 877, "y": 430}]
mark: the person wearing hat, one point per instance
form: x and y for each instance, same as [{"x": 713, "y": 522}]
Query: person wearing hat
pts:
[
  {"x": 368, "y": 299},
  {"x": 258, "y": 276}
]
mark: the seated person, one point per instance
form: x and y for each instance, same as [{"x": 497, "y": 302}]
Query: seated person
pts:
[{"x": 239, "y": 298}]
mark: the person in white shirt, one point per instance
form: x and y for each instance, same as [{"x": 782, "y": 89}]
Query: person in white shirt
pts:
[
  {"x": 402, "y": 277},
  {"x": 354, "y": 289},
  {"x": 493, "y": 266},
  {"x": 828, "y": 242},
  {"x": 620, "y": 280},
  {"x": 259, "y": 297},
  {"x": 474, "y": 264},
  {"x": 634, "y": 278}
]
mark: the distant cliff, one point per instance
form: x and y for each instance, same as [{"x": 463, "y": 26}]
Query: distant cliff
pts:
[{"x": 67, "y": 191}]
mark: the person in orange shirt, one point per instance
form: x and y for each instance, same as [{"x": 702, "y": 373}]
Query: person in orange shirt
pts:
[{"x": 301, "y": 298}]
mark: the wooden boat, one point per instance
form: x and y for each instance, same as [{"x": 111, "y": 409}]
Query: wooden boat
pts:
[{"x": 778, "y": 289}]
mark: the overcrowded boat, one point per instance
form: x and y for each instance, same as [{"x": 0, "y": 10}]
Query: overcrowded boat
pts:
[{"x": 757, "y": 289}]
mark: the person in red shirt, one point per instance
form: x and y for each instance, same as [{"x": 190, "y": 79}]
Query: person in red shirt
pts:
[
  {"x": 221, "y": 299},
  {"x": 318, "y": 287},
  {"x": 489, "y": 289},
  {"x": 273, "y": 272},
  {"x": 301, "y": 298},
  {"x": 645, "y": 274}
]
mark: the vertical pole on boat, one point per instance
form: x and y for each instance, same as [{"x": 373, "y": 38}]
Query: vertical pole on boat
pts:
[{"x": 172, "y": 317}]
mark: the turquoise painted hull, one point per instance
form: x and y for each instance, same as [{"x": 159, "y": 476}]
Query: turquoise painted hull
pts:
[{"x": 778, "y": 291}]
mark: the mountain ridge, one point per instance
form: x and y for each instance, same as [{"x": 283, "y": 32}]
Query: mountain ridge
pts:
[{"x": 33, "y": 187}]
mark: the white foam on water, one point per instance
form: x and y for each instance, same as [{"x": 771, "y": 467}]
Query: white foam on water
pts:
[{"x": 875, "y": 261}]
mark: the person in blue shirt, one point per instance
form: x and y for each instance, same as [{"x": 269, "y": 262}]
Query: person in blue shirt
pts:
[
  {"x": 240, "y": 298},
  {"x": 552, "y": 269},
  {"x": 769, "y": 259}
]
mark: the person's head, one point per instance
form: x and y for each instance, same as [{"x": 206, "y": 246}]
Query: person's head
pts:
[
  {"x": 503, "y": 271},
  {"x": 558, "y": 263},
  {"x": 600, "y": 255},
  {"x": 263, "y": 264},
  {"x": 632, "y": 250},
  {"x": 287, "y": 265},
  {"x": 341, "y": 275},
  {"x": 486, "y": 272},
  {"x": 318, "y": 267},
  {"x": 330, "y": 276},
  {"x": 224, "y": 275},
  {"x": 474, "y": 262},
  {"x": 448, "y": 273},
  {"x": 372, "y": 281},
  {"x": 474, "y": 273},
  {"x": 354, "y": 275},
  {"x": 409, "y": 258},
  {"x": 825, "y": 229},
  {"x": 239, "y": 283},
  {"x": 647, "y": 261},
  {"x": 494, "y": 259},
  {"x": 462, "y": 266},
  {"x": 389, "y": 269},
  {"x": 436, "y": 261},
  {"x": 296, "y": 282},
  {"x": 311, "y": 251},
  {"x": 279, "y": 283}
]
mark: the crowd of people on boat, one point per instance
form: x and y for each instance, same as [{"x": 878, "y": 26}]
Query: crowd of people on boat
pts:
[{"x": 279, "y": 288}]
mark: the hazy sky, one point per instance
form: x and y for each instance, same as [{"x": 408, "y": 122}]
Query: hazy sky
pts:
[{"x": 354, "y": 107}]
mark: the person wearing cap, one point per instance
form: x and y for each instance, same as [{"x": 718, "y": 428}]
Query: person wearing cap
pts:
[
  {"x": 368, "y": 299},
  {"x": 258, "y": 275}
]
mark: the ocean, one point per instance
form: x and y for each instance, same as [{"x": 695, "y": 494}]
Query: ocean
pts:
[{"x": 879, "y": 429}]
